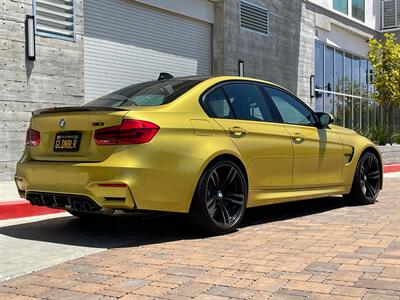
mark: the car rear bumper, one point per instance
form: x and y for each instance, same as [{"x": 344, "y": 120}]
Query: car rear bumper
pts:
[
  {"x": 114, "y": 183},
  {"x": 37, "y": 180}
]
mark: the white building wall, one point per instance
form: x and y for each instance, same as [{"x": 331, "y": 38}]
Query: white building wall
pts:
[
  {"x": 344, "y": 39},
  {"x": 372, "y": 12}
]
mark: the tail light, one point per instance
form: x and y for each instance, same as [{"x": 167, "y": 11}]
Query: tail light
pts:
[
  {"x": 129, "y": 132},
  {"x": 32, "y": 137}
]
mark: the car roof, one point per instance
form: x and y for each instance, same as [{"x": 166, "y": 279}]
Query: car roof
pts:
[{"x": 216, "y": 79}]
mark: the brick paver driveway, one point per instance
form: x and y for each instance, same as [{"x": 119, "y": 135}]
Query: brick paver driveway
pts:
[{"x": 319, "y": 249}]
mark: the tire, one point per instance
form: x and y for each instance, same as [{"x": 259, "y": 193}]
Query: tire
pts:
[
  {"x": 367, "y": 180},
  {"x": 220, "y": 199}
]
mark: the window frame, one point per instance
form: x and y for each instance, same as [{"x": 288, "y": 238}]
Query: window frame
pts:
[
  {"x": 203, "y": 98},
  {"x": 350, "y": 10},
  {"x": 55, "y": 35}
]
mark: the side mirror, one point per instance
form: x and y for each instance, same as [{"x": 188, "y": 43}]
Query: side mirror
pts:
[{"x": 324, "y": 119}]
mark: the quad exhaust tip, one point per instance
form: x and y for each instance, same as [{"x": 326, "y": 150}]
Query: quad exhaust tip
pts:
[{"x": 77, "y": 203}]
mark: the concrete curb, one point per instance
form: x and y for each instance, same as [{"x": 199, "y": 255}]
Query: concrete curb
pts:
[{"x": 22, "y": 208}]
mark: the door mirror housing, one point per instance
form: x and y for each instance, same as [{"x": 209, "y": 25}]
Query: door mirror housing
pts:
[{"x": 324, "y": 119}]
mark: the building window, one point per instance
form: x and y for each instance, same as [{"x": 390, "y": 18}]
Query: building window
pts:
[
  {"x": 55, "y": 18},
  {"x": 343, "y": 87},
  {"x": 358, "y": 9},
  {"x": 341, "y": 5},
  {"x": 254, "y": 18}
]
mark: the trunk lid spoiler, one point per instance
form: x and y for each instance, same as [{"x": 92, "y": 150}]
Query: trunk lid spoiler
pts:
[{"x": 76, "y": 109}]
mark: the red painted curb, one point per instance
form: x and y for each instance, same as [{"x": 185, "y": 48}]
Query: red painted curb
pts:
[
  {"x": 391, "y": 168},
  {"x": 22, "y": 209}
]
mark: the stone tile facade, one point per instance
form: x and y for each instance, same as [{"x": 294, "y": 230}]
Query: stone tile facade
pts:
[{"x": 55, "y": 78}]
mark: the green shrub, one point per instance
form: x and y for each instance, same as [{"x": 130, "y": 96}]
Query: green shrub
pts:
[
  {"x": 396, "y": 138},
  {"x": 379, "y": 135},
  {"x": 376, "y": 134}
]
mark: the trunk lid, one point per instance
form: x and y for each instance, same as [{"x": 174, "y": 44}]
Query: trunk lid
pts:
[{"x": 76, "y": 121}]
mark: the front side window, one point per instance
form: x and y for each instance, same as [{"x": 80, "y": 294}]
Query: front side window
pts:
[
  {"x": 151, "y": 93},
  {"x": 55, "y": 18},
  {"x": 290, "y": 109},
  {"x": 247, "y": 102},
  {"x": 341, "y": 5},
  {"x": 358, "y": 9}
]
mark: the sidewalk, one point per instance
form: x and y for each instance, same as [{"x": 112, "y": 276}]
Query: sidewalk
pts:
[
  {"x": 8, "y": 191},
  {"x": 316, "y": 249}
]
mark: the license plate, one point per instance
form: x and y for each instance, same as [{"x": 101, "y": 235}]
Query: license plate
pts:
[{"x": 67, "y": 142}]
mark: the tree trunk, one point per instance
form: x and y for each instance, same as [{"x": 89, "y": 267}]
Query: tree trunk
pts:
[{"x": 391, "y": 123}]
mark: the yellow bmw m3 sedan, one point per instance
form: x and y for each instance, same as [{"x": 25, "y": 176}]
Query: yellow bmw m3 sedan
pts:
[{"x": 207, "y": 147}]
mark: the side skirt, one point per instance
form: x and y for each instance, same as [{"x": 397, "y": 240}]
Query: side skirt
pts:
[{"x": 265, "y": 197}]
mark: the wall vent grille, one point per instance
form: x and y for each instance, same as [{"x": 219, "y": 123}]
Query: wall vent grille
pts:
[
  {"x": 253, "y": 17},
  {"x": 390, "y": 14},
  {"x": 55, "y": 18}
]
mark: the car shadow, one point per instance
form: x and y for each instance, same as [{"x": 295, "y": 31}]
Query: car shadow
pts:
[
  {"x": 127, "y": 230},
  {"x": 291, "y": 210}
]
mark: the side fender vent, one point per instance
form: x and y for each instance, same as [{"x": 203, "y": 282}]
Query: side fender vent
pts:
[{"x": 348, "y": 154}]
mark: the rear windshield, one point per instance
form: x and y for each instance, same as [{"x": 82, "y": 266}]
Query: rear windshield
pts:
[{"x": 152, "y": 93}]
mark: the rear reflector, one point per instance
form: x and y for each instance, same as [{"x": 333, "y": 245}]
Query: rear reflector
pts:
[
  {"x": 129, "y": 132},
  {"x": 112, "y": 184},
  {"x": 32, "y": 137}
]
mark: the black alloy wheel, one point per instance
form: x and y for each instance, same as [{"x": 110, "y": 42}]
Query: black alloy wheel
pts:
[
  {"x": 370, "y": 177},
  {"x": 367, "y": 180},
  {"x": 221, "y": 198}
]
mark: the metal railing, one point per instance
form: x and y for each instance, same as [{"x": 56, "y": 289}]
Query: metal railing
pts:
[{"x": 390, "y": 14}]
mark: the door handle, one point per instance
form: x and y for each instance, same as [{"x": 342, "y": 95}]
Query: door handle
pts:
[
  {"x": 298, "y": 138},
  {"x": 237, "y": 131}
]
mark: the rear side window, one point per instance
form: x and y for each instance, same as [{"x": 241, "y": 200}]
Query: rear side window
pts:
[
  {"x": 241, "y": 101},
  {"x": 152, "y": 93},
  {"x": 218, "y": 105},
  {"x": 247, "y": 102},
  {"x": 290, "y": 108}
]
